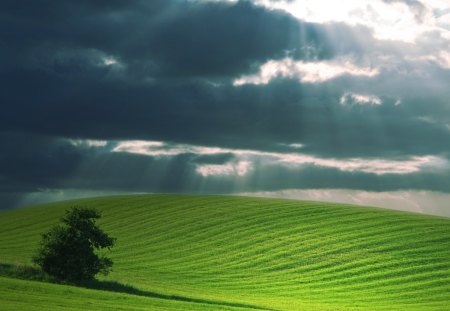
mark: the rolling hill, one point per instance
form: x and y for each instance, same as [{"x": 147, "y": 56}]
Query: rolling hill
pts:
[{"x": 181, "y": 252}]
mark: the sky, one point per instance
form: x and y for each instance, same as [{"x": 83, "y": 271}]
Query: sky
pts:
[{"x": 342, "y": 101}]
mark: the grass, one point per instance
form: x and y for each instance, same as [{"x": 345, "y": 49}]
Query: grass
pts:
[{"x": 178, "y": 252}]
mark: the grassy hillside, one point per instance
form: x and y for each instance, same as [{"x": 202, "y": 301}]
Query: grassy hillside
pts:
[{"x": 231, "y": 253}]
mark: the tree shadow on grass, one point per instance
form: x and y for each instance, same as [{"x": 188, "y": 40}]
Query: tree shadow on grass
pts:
[
  {"x": 25, "y": 273},
  {"x": 30, "y": 273}
]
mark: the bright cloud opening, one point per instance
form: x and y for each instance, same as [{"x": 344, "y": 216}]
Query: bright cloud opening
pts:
[
  {"x": 88, "y": 142},
  {"x": 110, "y": 61},
  {"x": 308, "y": 72},
  {"x": 360, "y": 99},
  {"x": 157, "y": 148},
  {"x": 240, "y": 169},
  {"x": 389, "y": 20}
]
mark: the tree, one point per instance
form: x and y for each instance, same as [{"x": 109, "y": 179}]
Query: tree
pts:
[{"x": 67, "y": 251}]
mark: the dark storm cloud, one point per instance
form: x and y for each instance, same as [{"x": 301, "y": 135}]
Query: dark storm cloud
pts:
[
  {"x": 28, "y": 162},
  {"x": 176, "y": 38},
  {"x": 60, "y": 57},
  {"x": 257, "y": 117}
]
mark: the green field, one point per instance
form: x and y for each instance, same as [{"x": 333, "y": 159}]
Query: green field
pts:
[{"x": 234, "y": 253}]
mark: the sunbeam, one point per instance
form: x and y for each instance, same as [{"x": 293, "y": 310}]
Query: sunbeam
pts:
[{"x": 225, "y": 96}]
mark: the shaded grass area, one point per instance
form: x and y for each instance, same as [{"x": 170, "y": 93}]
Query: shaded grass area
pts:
[
  {"x": 33, "y": 274},
  {"x": 24, "y": 272}
]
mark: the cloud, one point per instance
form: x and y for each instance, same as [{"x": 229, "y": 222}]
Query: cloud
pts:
[
  {"x": 442, "y": 59},
  {"x": 240, "y": 168},
  {"x": 308, "y": 72},
  {"x": 251, "y": 117},
  {"x": 360, "y": 99},
  {"x": 374, "y": 166},
  {"x": 29, "y": 162},
  {"x": 417, "y": 7},
  {"x": 88, "y": 142},
  {"x": 402, "y": 20}
]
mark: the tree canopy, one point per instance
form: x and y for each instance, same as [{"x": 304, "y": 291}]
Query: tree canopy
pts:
[{"x": 67, "y": 251}]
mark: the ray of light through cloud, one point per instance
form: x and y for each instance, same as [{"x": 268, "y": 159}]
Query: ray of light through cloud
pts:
[{"x": 227, "y": 96}]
